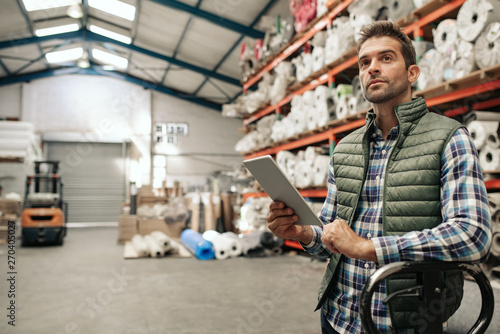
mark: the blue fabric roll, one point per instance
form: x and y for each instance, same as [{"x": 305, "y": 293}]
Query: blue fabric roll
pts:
[{"x": 200, "y": 247}]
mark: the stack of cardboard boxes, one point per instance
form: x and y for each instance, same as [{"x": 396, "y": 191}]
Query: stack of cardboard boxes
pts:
[{"x": 9, "y": 211}]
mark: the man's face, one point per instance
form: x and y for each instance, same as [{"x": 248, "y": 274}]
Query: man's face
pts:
[{"x": 382, "y": 70}]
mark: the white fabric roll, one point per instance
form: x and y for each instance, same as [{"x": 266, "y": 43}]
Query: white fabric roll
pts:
[
  {"x": 13, "y": 153},
  {"x": 479, "y": 132},
  {"x": 290, "y": 169},
  {"x": 14, "y": 144},
  {"x": 431, "y": 69},
  {"x": 299, "y": 121},
  {"x": 308, "y": 98},
  {"x": 167, "y": 244},
  {"x": 495, "y": 243},
  {"x": 304, "y": 174},
  {"x": 322, "y": 115},
  {"x": 321, "y": 94},
  {"x": 445, "y": 36},
  {"x": 236, "y": 247},
  {"x": 140, "y": 246},
  {"x": 321, "y": 167},
  {"x": 250, "y": 241},
  {"x": 311, "y": 153},
  {"x": 398, "y": 9},
  {"x": 318, "y": 58},
  {"x": 357, "y": 88},
  {"x": 494, "y": 203},
  {"x": 342, "y": 109},
  {"x": 352, "y": 105},
  {"x": 487, "y": 46},
  {"x": 340, "y": 39},
  {"x": 222, "y": 246},
  {"x": 474, "y": 16},
  {"x": 16, "y": 134},
  {"x": 461, "y": 61},
  {"x": 420, "y": 3},
  {"x": 312, "y": 121},
  {"x": 307, "y": 63},
  {"x": 289, "y": 129},
  {"x": 282, "y": 158},
  {"x": 492, "y": 139},
  {"x": 153, "y": 246},
  {"x": 489, "y": 158}
]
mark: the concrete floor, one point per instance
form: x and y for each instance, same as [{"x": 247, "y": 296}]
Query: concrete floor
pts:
[{"x": 86, "y": 286}]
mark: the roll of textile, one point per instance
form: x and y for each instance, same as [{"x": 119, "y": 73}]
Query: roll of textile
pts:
[
  {"x": 362, "y": 13},
  {"x": 164, "y": 240},
  {"x": 201, "y": 248},
  {"x": 17, "y": 134},
  {"x": 297, "y": 103},
  {"x": 340, "y": 39},
  {"x": 495, "y": 241},
  {"x": 308, "y": 98},
  {"x": 445, "y": 36},
  {"x": 398, "y": 9},
  {"x": 303, "y": 174},
  {"x": 318, "y": 58},
  {"x": 307, "y": 63},
  {"x": 494, "y": 204},
  {"x": 474, "y": 16},
  {"x": 492, "y": 139},
  {"x": 321, "y": 94},
  {"x": 321, "y": 167},
  {"x": 479, "y": 131},
  {"x": 222, "y": 246},
  {"x": 312, "y": 121},
  {"x": 342, "y": 109},
  {"x": 461, "y": 61},
  {"x": 431, "y": 69},
  {"x": 155, "y": 250},
  {"x": 322, "y": 115},
  {"x": 489, "y": 158},
  {"x": 290, "y": 169},
  {"x": 352, "y": 105},
  {"x": 487, "y": 46},
  {"x": 311, "y": 153},
  {"x": 236, "y": 247},
  {"x": 250, "y": 242},
  {"x": 422, "y": 47},
  {"x": 282, "y": 158},
  {"x": 299, "y": 121},
  {"x": 140, "y": 245},
  {"x": 275, "y": 251},
  {"x": 14, "y": 144},
  {"x": 420, "y": 3},
  {"x": 357, "y": 88}
]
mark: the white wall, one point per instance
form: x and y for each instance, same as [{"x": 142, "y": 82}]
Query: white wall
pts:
[
  {"x": 10, "y": 101},
  {"x": 208, "y": 147}
]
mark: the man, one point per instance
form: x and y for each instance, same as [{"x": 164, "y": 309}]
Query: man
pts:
[{"x": 405, "y": 187}]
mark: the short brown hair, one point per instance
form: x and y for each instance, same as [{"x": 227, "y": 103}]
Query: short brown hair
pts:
[{"x": 389, "y": 29}]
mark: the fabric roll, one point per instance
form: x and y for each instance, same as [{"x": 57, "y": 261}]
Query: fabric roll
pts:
[
  {"x": 321, "y": 167},
  {"x": 308, "y": 98},
  {"x": 16, "y": 134},
  {"x": 461, "y": 61},
  {"x": 250, "y": 242},
  {"x": 318, "y": 58},
  {"x": 140, "y": 246},
  {"x": 322, "y": 115},
  {"x": 495, "y": 241},
  {"x": 357, "y": 89},
  {"x": 342, "y": 109},
  {"x": 201, "y": 248},
  {"x": 398, "y": 9},
  {"x": 236, "y": 247},
  {"x": 340, "y": 39},
  {"x": 420, "y": 3},
  {"x": 494, "y": 204},
  {"x": 165, "y": 241},
  {"x": 343, "y": 89},
  {"x": 222, "y": 246},
  {"x": 16, "y": 126},
  {"x": 492, "y": 139},
  {"x": 311, "y": 153},
  {"x": 275, "y": 251},
  {"x": 489, "y": 158},
  {"x": 352, "y": 105},
  {"x": 321, "y": 94},
  {"x": 307, "y": 63},
  {"x": 288, "y": 123},
  {"x": 431, "y": 69},
  {"x": 282, "y": 158},
  {"x": 487, "y": 46},
  {"x": 445, "y": 36},
  {"x": 312, "y": 121},
  {"x": 155, "y": 250},
  {"x": 480, "y": 130},
  {"x": 290, "y": 169},
  {"x": 304, "y": 174},
  {"x": 14, "y": 144},
  {"x": 474, "y": 16}
]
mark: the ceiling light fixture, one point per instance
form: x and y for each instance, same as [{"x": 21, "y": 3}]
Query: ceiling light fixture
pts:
[
  {"x": 110, "y": 59},
  {"x": 83, "y": 62},
  {"x": 75, "y": 11},
  {"x": 64, "y": 56},
  {"x": 110, "y": 34},
  {"x": 114, "y": 7},
  {"x": 32, "y": 5},
  {"x": 57, "y": 30}
]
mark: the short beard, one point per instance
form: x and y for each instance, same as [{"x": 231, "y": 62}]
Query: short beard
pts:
[{"x": 392, "y": 92}]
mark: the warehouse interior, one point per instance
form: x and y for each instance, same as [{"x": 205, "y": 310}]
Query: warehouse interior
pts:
[{"x": 125, "y": 206}]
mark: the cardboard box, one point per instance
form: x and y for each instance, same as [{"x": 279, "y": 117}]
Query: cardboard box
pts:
[
  {"x": 10, "y": 207},
  {"x": 173, "y": 230},
  {"x": 127, "y": 227}
]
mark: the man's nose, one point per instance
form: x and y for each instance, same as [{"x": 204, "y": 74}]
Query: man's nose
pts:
[{"x": 374, "y": 67}]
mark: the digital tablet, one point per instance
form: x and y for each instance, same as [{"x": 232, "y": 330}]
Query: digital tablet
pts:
[{"x": 279, "y": 188}]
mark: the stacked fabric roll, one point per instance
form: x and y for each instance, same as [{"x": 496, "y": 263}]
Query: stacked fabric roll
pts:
[
  {"x": 487, "y": 46},
  {"x": 225, "y": 245},
  {"x": 253, "y": 214},
  {"x": 397, "y": 9},
  {"x": 485, "y": 137},
  {"x": 474, "y": 16},
  {"x": 156, "y": 244},
  {"x": 340, "y": 39},
  {"x": 254, "y": 100},
  {"x": 318, "y": 53},
  {"x": 343, "y": 94},
  {"x": 18, "y": 140},
  {"x": 362, "y": 13},
  {"x": 283, "y": 72},
  {"x": 261, "y": 137}
]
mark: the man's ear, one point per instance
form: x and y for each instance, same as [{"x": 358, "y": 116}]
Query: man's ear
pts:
[{"x": 413, "y": 73}]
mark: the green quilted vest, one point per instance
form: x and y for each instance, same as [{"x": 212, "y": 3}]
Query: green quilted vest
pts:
[{"x": 411, "y": 195}]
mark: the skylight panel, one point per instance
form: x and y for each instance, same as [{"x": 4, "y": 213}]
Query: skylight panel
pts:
[
  {"x": 110, "y": 59},
  {"x": 64, "y": 56},
  {"x": 114, "y": 7},
  {"x": 110, "y": 34},
  {"x": 32, "y": 5},
  {"x": 57, "y": 30}
]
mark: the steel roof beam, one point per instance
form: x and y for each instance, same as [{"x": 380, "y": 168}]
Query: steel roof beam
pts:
[
  {"x": 5, "y": 69},
  {"x": 212, "y": 18},
  {"x": 92, "y": 37},
  {"x": 95, "y": 71}
]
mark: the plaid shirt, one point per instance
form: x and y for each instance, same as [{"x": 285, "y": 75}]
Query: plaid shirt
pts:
[{"x": 464, "y": 234}]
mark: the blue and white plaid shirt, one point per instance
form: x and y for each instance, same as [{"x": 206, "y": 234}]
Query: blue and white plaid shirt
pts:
[{"x": 464, "y": 234}]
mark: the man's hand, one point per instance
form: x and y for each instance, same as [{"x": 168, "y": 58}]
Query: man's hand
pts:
[
  {"x": 281, "y": 222},
  {"x": 338, "y": 237}
]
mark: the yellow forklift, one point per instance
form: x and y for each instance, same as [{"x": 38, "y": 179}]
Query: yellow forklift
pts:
[{"x": 44, "y": 214}]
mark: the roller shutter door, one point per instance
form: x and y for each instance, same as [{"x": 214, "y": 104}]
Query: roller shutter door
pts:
[{"x": 93, "y": 175}]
